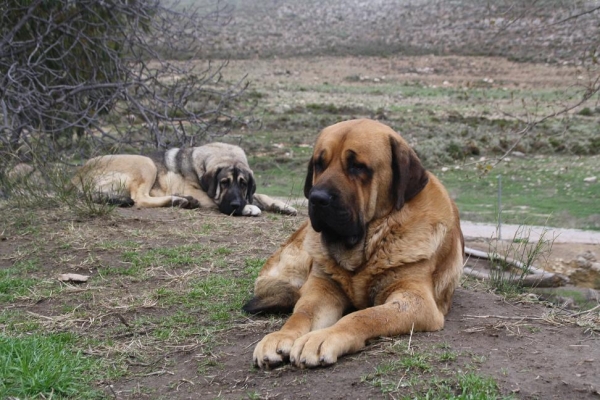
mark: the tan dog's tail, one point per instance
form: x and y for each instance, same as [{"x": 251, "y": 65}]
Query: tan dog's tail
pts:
[
  {"x": 277, "y": 288},
  {"x": 272, "y": 295}
]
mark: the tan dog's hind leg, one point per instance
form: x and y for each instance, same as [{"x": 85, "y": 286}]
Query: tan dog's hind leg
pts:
[{"x": 279, "y": 281}]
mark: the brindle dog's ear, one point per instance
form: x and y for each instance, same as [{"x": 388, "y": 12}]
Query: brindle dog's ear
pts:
[
  {"x": 409, "y": 175},
  {"x": 251, "y": 188},
  {"x": 309, "y": 178},
  {"x": 209, "y": 182}
]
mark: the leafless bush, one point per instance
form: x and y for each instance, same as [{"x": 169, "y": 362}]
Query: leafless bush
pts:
[{"x": 86, "y": 76}]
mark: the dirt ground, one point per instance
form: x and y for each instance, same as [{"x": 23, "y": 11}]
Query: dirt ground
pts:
[
  {"x": 532, "y": 351},
  {"x": 528, "y": 356}
]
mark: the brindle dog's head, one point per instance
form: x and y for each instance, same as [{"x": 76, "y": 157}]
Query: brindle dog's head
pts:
[
  {"x": 360, "y": 170},
  {"x": 231, "y": 187}
]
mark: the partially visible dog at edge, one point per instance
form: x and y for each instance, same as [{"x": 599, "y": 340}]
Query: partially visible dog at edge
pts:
[
  {"x": 215, "y": 175},
  {"x": 381, "y": 254}
]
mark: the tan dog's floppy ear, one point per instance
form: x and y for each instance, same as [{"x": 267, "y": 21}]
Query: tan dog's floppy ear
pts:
[
  {"x": 309, "y": 179},
  {"x": 251, "y": 188},
  {"x": 209, "y": 183},
  {"x": 409, "y": 175}
]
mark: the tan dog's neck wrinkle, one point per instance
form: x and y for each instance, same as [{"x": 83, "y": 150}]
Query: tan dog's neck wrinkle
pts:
[{"x": 350, "y": 259}]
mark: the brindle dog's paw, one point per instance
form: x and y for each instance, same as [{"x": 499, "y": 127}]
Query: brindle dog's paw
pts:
[
  {"x": 184, "y": 202},
  {"x": 251, "y": 210}
]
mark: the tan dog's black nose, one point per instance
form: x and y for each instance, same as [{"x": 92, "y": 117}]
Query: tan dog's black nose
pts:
[{"x": 320, "y": 198}]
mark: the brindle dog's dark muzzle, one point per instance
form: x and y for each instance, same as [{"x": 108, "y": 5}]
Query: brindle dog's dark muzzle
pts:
[
  {"x": 333, "y": 218},
  {"x": 233, "y": 201}
]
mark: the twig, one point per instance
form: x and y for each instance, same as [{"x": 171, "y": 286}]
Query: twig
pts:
[
  {"x": 575, "y": 16},
  {"x": 161, "y": 372},
  {"x": 504, "y": 317},
  {"x": 585, "y": 312},
  {"x": 251, "y": 344},
  {"x": 112, "y": 391},
  {"x": 410, "y": 337}
]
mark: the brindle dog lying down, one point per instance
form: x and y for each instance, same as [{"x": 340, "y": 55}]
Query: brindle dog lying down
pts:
[{"x": 216, "y": 175}]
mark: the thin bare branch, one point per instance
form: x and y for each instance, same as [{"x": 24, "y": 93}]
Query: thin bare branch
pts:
[{"x": 88, "y": 76}]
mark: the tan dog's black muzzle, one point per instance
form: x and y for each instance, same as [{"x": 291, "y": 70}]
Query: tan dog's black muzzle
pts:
[{"x": 333, "y": 217}]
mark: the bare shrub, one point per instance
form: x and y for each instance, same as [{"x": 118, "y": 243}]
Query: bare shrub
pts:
[{"x": 78, "y": 78}]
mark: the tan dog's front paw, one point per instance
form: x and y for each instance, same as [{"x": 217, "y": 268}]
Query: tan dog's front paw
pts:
[
  {"x": 273, "y": 350},
  {"x": 319, "y": 348}
]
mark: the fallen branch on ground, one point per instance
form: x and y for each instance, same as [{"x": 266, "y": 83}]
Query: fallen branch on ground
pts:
[{"x": 535, "y": 277}]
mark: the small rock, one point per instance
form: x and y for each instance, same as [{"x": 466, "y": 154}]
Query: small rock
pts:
[
  {"x": 76, "y": 278},
  {"x": 590, "y": 179},
  {"x": 582, "y": 262},
  {"x": 588, "y": 255}
]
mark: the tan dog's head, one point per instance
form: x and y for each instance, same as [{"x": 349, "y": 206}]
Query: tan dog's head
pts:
[{"x": 360, "y": 170}]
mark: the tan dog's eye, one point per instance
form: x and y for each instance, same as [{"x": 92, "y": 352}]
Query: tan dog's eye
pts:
[
  {"x": 319, "y": 164},
  {"x": 225, "y": 182},
  {"x": 356, "y": 168},
  {"x": 242, "y": 184}
]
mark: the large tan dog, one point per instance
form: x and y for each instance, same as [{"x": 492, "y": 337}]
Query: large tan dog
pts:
[
  {"x": 384, "y": 239},
  {"x": 215, "y": 175}
]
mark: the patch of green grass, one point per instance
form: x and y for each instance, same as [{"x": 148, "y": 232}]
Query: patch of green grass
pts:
[
  {"x": 22, "y": 221},
  {"x": 557, "y": 295},
  {"x": 137, "y": 261},
  {"x": 424, "y": 374},
  {"x": 535, "y": 191},
  {"x": 409, "y": 365},
  {"x": 216, "y": 300},
  {"x": 16, "y": 322},
  {"x": 174, "y": 327},
  {"x": 220, "y": 297},
  {"x": 46, "y": 367},
  {"x": 281, "y": 176},
  {"x": 253, "y": 266},
  {"x": 206, "y": 365},
  {"x": 417, "y": 361},
  {"x": 447, "y": 356},
  {"x": 223, "y": 251},
  {"x": 13, "y": 285},
  {"x": 465, "y": 386}
]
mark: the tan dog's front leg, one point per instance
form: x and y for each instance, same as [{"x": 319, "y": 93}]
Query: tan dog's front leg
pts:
[
  {"x": 349, "y": 334},
  {"x": 321, "y": 304}
]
